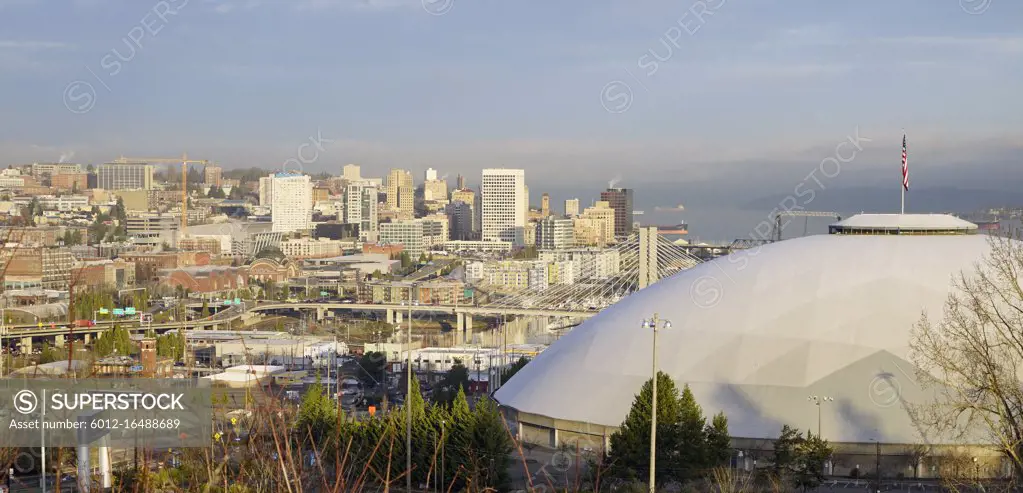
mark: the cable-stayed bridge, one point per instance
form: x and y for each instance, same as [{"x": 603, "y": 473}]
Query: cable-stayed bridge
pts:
[{"x": 612, "y": 274}]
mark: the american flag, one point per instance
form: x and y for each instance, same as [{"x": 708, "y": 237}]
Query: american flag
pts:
[{"x": 905, "y": 165}]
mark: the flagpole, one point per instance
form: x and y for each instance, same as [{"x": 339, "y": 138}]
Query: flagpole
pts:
[{"x": 902, "y": 186}]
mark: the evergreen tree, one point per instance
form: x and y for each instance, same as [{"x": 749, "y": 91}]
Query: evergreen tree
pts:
[
  {"x": 786, "y": 452},
  {"x": 104, "y": 344},
  {"x": 690, "y": 438},
  {"x": 317, "y": 414},
  {"x": 513, "y": 369},
  {"x": 119, "y": 212},
  {"x": 456, "y": 379},
  {"x": 371, "y": 367},
  {"x": 812, "y": 453},
  {"x": 630, "y": 445},
  {"x": 718, "y": 442},
  {"x": 492, "y": 447},
  {"x": 48, "y": 355},
  {"x": 458, "y": 439}
]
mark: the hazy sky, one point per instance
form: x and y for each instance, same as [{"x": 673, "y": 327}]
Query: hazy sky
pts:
[{"x": 649, "y": 91}]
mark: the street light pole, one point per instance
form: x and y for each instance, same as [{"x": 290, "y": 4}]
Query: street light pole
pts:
[
  {"x": 653, "y": 324},
  {"x": 408, "y": 396},
  {"x": 818, "y": 400}
]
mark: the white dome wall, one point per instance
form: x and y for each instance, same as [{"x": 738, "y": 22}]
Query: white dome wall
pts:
[{"x": 756, "y": 332}]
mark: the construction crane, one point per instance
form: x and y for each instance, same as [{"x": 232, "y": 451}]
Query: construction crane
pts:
[
  {"x": 806, "y": 214},
  {"x": 184, "y": 178}
]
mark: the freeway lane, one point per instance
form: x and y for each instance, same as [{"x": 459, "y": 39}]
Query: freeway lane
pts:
[{"x": 225, "y": 317}]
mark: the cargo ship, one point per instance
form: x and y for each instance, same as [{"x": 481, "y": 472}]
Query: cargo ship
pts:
[{"x": 675, "y": 229}]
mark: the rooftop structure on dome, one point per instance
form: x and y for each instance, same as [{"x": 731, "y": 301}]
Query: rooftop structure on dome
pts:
[{"x": 903, "y": 224}]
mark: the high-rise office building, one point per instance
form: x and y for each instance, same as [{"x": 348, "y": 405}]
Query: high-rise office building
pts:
[
  {"x": 470, "y": 229},
  {"x": 572, "y": 207},
  {"x": 435, "y": 190},
  {"x": 545, "y": 205},
  {"x": 124, "y": 176},
  {"x": 266, "y": 190},
  {"x": 291, "y": 208},
  {"x": 361, "y": 206},
  {"x": 431, "y": 174},
  {"x": 596, "y": 225},
  {"x": 401, "y": 193},
  {"x": 554, "y": 233},
  {"x": 407, "y": 233},
  {"x": 351, "y": 172},
  {"x": 460, "y": 219},
  {"x": 460, "y": 182},
  {"x": 505, "y": 205},
  {"x": 212, "y": 175},
  {"x": 525, "y": 205},
  {"x": 620, "y": 199}
]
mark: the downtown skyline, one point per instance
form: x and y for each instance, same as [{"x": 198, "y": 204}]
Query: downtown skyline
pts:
[{"x": 747, "y": 104}]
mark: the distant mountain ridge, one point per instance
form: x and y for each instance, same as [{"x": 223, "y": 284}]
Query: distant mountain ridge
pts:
[{"x": 872, "y": 199}]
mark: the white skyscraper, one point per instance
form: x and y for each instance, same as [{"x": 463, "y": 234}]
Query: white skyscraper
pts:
[
  {"x": 431, "y": 174},
  {"x": 291, "y": 208},
  {"x": 505, "y": 206}
]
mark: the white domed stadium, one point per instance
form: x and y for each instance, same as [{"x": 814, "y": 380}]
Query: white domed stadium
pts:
[{"x": 755, "y": 333}]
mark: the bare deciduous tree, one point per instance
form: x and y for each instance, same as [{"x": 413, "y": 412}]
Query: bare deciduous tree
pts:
[{"x": 972, "y": 357}]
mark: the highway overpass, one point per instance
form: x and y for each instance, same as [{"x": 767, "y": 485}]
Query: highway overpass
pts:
[{"x": 394, "y": 314}]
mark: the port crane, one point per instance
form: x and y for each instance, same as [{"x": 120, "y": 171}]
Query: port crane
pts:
[
  {"x": 807, "y": 214},
  {"x": 184, "y": 178}
]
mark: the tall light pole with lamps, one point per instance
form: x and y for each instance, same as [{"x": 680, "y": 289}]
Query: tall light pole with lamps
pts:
[
  {"x": 408, "y": 393},
  {"x": 818, "y": 400},
  {"x": 656, "y": 324}
]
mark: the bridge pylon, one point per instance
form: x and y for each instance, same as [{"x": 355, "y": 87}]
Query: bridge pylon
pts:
[{"x": 647, "y": 256}]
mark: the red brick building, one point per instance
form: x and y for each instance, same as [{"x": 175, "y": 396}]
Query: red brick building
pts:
[
  {"x": 268, "y": 269},
  {"x": 206, "y": 279},
  {"x": 70, "y": 181},
  {"x": 392, "y": 251},
  {"x": 149, "y": 265}
]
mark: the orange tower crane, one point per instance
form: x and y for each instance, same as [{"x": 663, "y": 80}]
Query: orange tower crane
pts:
[{"x": 184, "y": 178}]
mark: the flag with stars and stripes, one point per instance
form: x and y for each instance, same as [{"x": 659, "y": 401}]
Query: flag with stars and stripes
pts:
[{"x": 905, "y": 165}]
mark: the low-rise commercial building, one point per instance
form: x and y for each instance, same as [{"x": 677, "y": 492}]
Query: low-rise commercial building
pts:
[
  {"x": 37, "y": 268},
  {"x": 303, "y": 248}
]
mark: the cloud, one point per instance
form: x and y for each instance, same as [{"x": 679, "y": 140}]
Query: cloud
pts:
[
  {"x": 231, "y": 6},
  {"x": 787, "y": 71},
  {"x": 228, "y": 6},
  {"x": 802, "y": 36},
  {"x": 356, "y": 5},
  {"x": 1012, "y": 45},
  {"x": 33, "y": 45}
]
